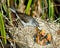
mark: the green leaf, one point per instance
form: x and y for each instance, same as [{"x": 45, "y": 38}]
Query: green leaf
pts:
[
  {"x": 2, "y": 28},
  {"x": 28, "y": 6},
  {"x": 51, "y": 10}
]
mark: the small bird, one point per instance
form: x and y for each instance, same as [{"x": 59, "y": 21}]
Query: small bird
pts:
[{"x": 25, "y": 19}]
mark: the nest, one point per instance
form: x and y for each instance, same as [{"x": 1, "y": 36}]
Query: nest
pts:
[{"x": 24, "y": 36}]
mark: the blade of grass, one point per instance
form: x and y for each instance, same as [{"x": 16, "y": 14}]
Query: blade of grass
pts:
[
  {"x": 28, "y": 6},
  {"x": 9, "y": 12},
  {"x": 5, "y": 7},
  {"x": 42, "y": 4},
  {"x": 2, "y": 28},
  {"x": 50, "y": 10},
  {"x": 8, "y": 2},
  {"x": 43, "y": 12}
]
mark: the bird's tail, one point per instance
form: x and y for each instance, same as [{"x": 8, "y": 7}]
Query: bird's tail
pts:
[{"x": 13, "y": 10}]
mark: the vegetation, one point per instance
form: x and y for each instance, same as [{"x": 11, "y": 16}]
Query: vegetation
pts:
[
  {"x": 2, "y": 29},
  {"x": 49, "y": 11}
]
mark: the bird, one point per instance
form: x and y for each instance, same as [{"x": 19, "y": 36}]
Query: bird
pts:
[{"x": 25, "y": 19}]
